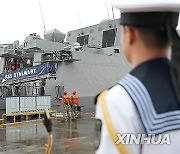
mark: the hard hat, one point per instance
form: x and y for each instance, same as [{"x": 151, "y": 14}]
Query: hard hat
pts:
[
  {"x": 65, "y": 91},
  {"x": 74, "y": 92}
]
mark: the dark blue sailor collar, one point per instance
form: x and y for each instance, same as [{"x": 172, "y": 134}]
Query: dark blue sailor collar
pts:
[
  {"x": 156, "y": 77},
  {"x": 152, "y": 63},
  {"x": 150, "y": 87}
]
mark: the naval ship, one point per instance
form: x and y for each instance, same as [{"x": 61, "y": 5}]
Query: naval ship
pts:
[{"x": 87, "y": 60}]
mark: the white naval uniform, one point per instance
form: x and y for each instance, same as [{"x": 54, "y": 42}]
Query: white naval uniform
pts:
[{"x": 125, "y": 118}]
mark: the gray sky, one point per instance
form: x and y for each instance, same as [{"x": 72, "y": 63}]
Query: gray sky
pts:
[{"x": 19, "y": 18}]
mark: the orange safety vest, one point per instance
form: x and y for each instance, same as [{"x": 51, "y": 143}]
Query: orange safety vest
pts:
[
  {"x": 75, "y": 100},
  {"x": 66, "y": 100}
]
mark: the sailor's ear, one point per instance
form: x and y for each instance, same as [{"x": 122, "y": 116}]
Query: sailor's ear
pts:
[{"x": 129, "y": 33}]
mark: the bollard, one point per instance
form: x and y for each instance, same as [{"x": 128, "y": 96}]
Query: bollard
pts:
[
  {"x": 14, "y": 120},
  {"x": 26, "y": 116},
  {"x": 39, "y": 115}
]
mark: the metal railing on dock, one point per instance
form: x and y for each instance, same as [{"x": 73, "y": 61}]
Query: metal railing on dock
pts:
[{"x": 26, "y": 114}]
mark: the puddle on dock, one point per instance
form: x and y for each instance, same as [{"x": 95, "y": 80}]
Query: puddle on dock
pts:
[{"x": 69, "y": 137}]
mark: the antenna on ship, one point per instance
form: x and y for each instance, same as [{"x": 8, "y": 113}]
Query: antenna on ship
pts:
[
  {"x": 115, "y": 28},
  {"x": 42, "y": 17},
  {"x": 108, "y": 14},
  {"x": 113, "y": 13},
  {"x": 80, "y": 23}
]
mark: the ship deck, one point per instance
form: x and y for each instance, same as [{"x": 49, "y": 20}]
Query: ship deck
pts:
[{"x": 30, "y": 137}]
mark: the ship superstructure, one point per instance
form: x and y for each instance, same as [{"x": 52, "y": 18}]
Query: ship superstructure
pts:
[{"x": 87, "y": 60}]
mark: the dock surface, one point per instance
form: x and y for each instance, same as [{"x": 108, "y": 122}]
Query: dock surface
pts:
[{"x": 30, "y": 137}]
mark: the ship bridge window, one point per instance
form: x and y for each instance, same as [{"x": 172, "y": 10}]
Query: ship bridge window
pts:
[
  {"x": 83, "y": 40},
  {"x": 108, "y": 38}
]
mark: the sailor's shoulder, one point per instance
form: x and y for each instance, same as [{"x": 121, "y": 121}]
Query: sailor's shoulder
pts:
[
  {"x": 116, "y": 91},
  {"x": 114, "y": 95},
  {"x": 118, "y": 103}
]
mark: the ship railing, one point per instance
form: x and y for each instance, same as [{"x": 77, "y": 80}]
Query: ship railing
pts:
[{"x": 26, "y": 114}]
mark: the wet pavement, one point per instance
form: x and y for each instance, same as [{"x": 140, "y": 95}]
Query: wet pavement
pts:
[{"x": 30, "y": 137}]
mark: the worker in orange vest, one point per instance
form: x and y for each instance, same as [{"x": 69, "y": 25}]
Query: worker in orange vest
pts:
[
  {"x": 74, "y": 104},
  {"x": 66, "y": 105}
]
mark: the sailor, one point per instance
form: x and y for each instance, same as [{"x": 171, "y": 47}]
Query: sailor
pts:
[
  {"x": 74, "y": 102},
  {"x": 66, "y": 106},
  {"x": 145, "y": 102}
]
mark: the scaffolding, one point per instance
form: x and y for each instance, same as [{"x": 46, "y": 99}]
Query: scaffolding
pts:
[
  {"x": 27, "y": 88},
  {"x": 26, "y": 82}
]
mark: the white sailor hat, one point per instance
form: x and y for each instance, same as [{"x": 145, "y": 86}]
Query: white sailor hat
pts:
[
  {"x": 147, "y": 5},
  {"x": 155, "y": 13},
  {"x": 148, "y": 12}
]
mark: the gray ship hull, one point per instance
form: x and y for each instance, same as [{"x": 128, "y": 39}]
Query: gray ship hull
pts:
[{"x": 88, "y": 76}]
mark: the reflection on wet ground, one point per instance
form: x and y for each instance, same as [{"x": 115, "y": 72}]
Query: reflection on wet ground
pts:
[{"x": 69, "y": 137}]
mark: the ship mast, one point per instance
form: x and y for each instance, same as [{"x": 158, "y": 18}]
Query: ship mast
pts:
[{"x": 42, "y": 17}]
